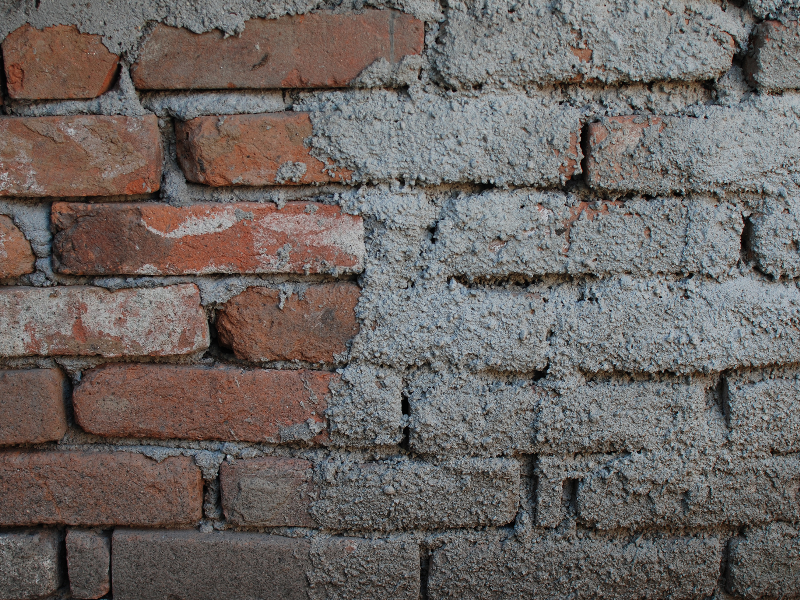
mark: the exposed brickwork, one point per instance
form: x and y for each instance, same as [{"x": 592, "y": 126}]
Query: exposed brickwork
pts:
[
  {"x": 203, "y": 403},
  {"x": 305, "y": 51},
  {"x": 98, "y": 488},
  {"x": 16, "y": 257},
  {"x": 156, "y": 239},
  {"x": 260, "y": 325},
  {"x": 251, "y": 150},
  {"x": 57, "y": 62},
  {"x": 32, "y": 406},
  {"x": 79, "y": 156},
  {"x": 31, "y": 563},
  {"x": 88, "y": 563},
  {"x": 89, "y": 321}
]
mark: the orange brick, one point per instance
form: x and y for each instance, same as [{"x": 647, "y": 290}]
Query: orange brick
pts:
[
  {"x": 268, "y": 492},
  {"x": 314, "y": 50},
  {"x": 258, "y": 326},
  {"x": 157, "y": 239},
  {"x": 57, "y": 63},
  {"x": 91, "y": 321},
  {"x": 263, "y": 149},
  {"x": 16, "y": 256},
  {"x": 203, "y": 403},
  {"x": 79, "y": 156},
  {"x": 32, "y": 406},
  {"x": 98, "y": 488}
]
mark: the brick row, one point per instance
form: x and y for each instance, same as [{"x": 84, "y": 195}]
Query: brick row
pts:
[
  {"x": 79, "y": 156},
  {"x": 158, "y": 239},
  {"x": 16, "y": 256},
  {"x": 538, "y": 42},
  {"x": 90, "y": 321}
]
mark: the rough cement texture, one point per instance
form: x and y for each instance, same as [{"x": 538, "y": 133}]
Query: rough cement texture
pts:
[
  {"x": 29, "y": 563},
  {"x": 541, "y": 41},
  {"x": 186, "y": 106},
  {"x": 775, "y": 240},
  {"x": 764, "y": 8},
  {"x": 401, "y": 494},
  {"x": 504, "y": 139},
  {"x": 494, "y": 565},
  {"x": 765, "y": 563},
  {"x": 773, "y": 63}
]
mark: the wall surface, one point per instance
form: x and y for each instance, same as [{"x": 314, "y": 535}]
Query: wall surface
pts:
[{"x": 400, "y": 299}]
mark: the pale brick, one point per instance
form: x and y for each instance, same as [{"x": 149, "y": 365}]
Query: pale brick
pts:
[
  {"x": 88, "y": 563},
  {"x": 154, "y": 565},
  {"x": 400, "y": 494},
  {"x": 542, "y": 42},
  {"x": 494, "y": 564},
  {"x": 16, "y": 256},
  {"x": 775, "y": 237},
  {"x": 664, "y": 489},
  {"x": 29, "y": 563},
  {"x": 774, "y": 59},
  {"x": 765, "y": 563},
  {"x": 497, "y": 234},
  {"x": 504, "y": 139},
  {"x": 158, "y": 239},
  {"x": 83, "y": 320},
  {"x": 749, "y": 147}
]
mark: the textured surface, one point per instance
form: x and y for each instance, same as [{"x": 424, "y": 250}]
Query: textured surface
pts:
[
  {"x": 29, "y": 563},
  {"x": 32, "y": 408},
  {"x": 16, "y": 257},
  {"x": 88, "y": 563}
]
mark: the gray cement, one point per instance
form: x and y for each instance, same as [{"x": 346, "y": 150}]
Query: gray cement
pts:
[
  {"x": 766, "y": 8},
  {"x": 764, "y": 563}
]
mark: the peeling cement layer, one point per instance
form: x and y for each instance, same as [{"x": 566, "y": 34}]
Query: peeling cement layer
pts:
[
  {"x": 538, "y": 41},
  {"x": 406, "y": 494},
  {"x": 667, "y": 489},
  {"x": 536, "y": 233},
  {"x": 122, "y": 22},
  {"x": 496, "y": 565},
  {"x": 457, "y": 414},
  {"x": 765, "y": 563},
  {"x": 30, "y": 563},
  {"x": 431, "y": 138},
  {"x": 750, "y": 147},
  {"x": 775, "y": 238}
]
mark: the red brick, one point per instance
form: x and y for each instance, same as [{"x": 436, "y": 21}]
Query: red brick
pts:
[
  {"x": 98, "y": 488},
  {"x": 16, "y": 256},
  {"x": 268, "y": 492},
  {"x": 57, "y": 63},
  {"x": 91, "y": 321},
  {"x": 32, "y": 406},
  {"x": 251, "y": 150},
  {"x": 313, "y": 329},
  {"x": 88, "y": 563},
  {"x": 158, "y": 239},
  {"x": 203, "y": 403},
  {"x": 79, "y": 156},
  {"x": 315, "y": 50}
]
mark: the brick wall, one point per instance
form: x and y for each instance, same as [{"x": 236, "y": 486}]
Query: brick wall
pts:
[{"x": 400, "y": 300}]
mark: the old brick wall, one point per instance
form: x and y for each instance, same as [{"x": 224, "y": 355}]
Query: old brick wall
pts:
[{"x": 402, "y": 299}]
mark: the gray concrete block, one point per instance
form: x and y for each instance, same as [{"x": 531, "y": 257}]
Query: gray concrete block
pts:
[
  {"x": 765, "y": 563},
  {"x": 495, "y": 565},
  {"x": 775, "y": 237},
  {"x": 572, "y": 41},
  {"x": 774, "y": 60},
  {"x": 764, "y": 8},
  {"x": 29, "y": 563},
  {"x": 88, "y": 563}
]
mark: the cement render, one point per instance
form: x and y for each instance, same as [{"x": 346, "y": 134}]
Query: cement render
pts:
[{"x": 764, "y": 562}]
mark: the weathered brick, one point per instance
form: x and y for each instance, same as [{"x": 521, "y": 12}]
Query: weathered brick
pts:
[
  {"x": 153, "y": 565},
  {"x": 499, "y": 138},
  {"x": 88, "y": 563},
  {"x": 98, "y": 488},
  {"x": 263, "y": 149},
  {"x": 764, "y": 412},
  {"x": 158, "y": 239},
  {"x": 268, "y": 492},
  {"x": 261, "y": 325},
  {"x": 84, "y": 320},
  {"x": 314, "y": 50},
  {"x": 29, "y": 563},
  {"x": 16, "y": 256},
  {"x": 203, "y": 403},
  {"x": 773, "y": 62},
  {"x": 32, "y": 408},
  {"x": 542, "y": 42},
  {"x": 398, "y": 494},
  {"x": 489, "y": 415},
  {"x": 79, "y": 156},
  {"x": 497, "y": 234},
  {"x": 665, "y": 489},
  {"x": 748, "y": 147},
  {"x": 494, "y": 564},
  {"x": 765, "y": 563},
  {"x": 57, "y": 62},
  {"x": 775, "y": 237}
]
